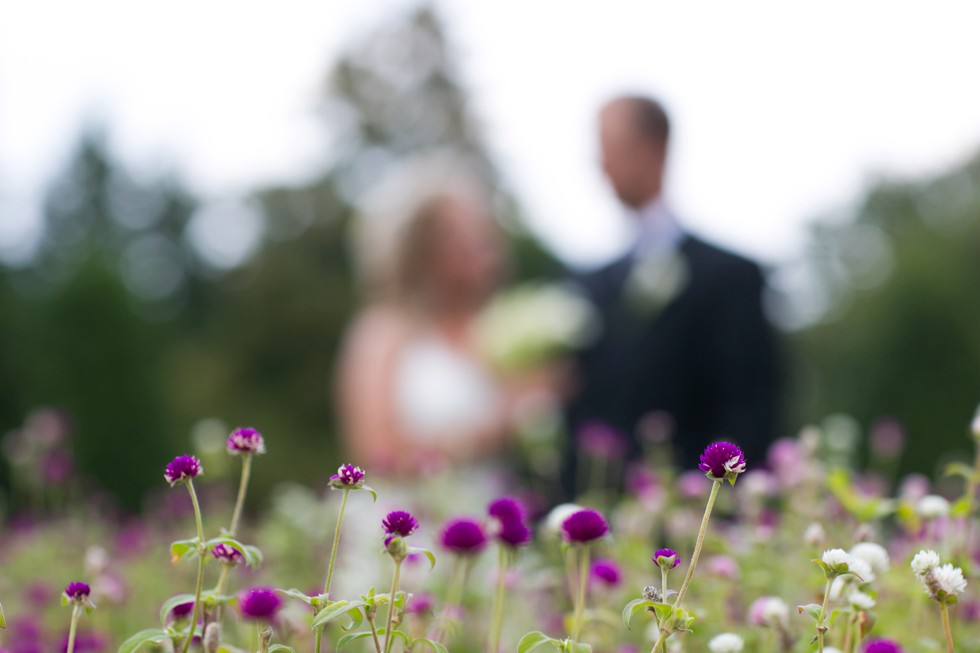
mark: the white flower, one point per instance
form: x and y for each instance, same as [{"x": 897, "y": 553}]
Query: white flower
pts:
[
  {"x": 862, "y": 569},
  {"x": 831, "y": 649},
  {"x": 947, "y": 578},
  {"x": 932, "y": 506},
  {"x": 975, "y": 426},
  {"x": 814, "y": 534},
  {"x": 726, "y": 643},
  {"x": 861, "y": 601},
  {"x": 841, "y": 587},
  {"x": 834, "y": 557},
  {"x": 924, "y": 562},
  {"x": 874, "y": 554},
  {"x": 775, "y": 610}
]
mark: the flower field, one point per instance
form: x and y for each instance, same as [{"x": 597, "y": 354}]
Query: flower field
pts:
[{"x": 799, "y": 552}]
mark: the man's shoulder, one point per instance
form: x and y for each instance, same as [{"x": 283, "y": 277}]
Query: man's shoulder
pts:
[{"x": 717, "y": 262}]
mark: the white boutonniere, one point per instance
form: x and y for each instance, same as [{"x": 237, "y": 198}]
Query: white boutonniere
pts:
[{"x": 654, "y": 281}]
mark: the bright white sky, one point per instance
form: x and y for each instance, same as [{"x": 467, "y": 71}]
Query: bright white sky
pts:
[{"x": 782, "y": 111}]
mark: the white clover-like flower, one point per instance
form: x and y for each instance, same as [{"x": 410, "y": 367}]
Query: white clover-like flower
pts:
[
  {"x": 947, "y": 578},
  {"x": 835, "y": 557},
  {"x": 726, "y": 643},
  {"x": 814, "y": 534},
  {"x": 841, "y": 587},
  {"x": 860, "y": 600},
  {"x": 775, "y": 610},
  {"x": 874, "y": 554},
  {"x": 932, "y": 506},
  {"x": 862, "y": 569},
  {"x": 924, "y": 562}
]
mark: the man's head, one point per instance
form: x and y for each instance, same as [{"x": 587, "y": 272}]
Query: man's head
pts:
[{"x": 633, "y": 134}]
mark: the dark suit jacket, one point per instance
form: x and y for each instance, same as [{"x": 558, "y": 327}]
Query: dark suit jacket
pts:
[{"x": 707, "y": 358}]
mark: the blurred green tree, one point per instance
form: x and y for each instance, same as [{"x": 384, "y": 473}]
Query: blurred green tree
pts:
[{"x": 902, "y": 336}]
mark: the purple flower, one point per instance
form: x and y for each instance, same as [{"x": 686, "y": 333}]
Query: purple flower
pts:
[
  {"x": 181, "y": 468},
  {"x": 722, "y": 460},
  {"x": 602, "y": 441},
  {"x": 606, "y": 571},
  {"x": 584, "y": 525},
  {"x": 420, "y": 604},
  {"x": 509, "y": 514},
  {"x": 227, "y": 554},
  {"x": 259, "y": 603},
  {"x": 245, "y": 440},
  {"x": 463, "y": 536},
  {"x": 181, "y": 611},
  {"x": 347, "y": 476},
  {"x": 78, "y": 591},
  {"x": 882, "y": 646},
  {"x": 666, "y": 554},
  {"x": 400, "y": 523}
]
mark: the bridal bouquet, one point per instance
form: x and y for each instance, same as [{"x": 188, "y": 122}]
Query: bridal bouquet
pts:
[{"x": 534, "y": 323}]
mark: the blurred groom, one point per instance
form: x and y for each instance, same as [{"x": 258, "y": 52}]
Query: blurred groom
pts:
[{"x": 684, "y": 337}]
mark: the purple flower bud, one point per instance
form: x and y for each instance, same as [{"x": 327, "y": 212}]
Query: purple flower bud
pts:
[
  {"x": 347, "y": 476},
  {"x": 245, "y": 440},
  {"x": 722, "y": 460},
  {"x": 78, "y": 591},
  {"x": 400, "y": 523},
  {"x": 509, "y": 514},
  {"x": 507, "y": 509},
  {"x": 584, "y": 525},
  {"x": 181, "y": 468},
  {"x": 181, "y": 610},
  {"x": 514, "y": 533},
  {"x": 259, "y": 603},
  {"x": 606, "y": 571},
  {"x": 463, "y": 536},
  {"x": 227, "y": 554},
  {"x": 666, "y": 554},
  {"x": 882, "y": 646}
]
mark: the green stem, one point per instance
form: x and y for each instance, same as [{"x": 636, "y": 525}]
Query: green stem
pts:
[
  {"x": 242, "y": 488},
  {"x": 949, "y": 634},
  {"x": 661, "y": 643},
  {"x": 74, "y": 625},
  {"x": 336, "y": 541},
  {"x": 391, "y": 606},
  {"x": 583, "y": 581},
  {"x": 455, "y": 597},
  {"x": 498, "y": 603},
  {"x": 697, "y": 546},
  {"x": 823, "y": 614},
  {"x": 374, "y": 633},
  {"x": 200, "y": 565},
  {"x": 317, "y": 637},
  {"x": 663, "y": 585}
]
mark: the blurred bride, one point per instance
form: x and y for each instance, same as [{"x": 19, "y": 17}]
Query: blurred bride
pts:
[{"x": 414, "y": 394}]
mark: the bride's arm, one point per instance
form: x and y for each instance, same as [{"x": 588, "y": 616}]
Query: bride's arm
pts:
[{"x": 365, "y": 390}]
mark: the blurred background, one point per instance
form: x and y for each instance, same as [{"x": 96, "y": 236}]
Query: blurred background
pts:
[{"x": 177, "y": 183}]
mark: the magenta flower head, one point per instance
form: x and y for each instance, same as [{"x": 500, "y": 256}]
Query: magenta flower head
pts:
[
  {"x": 245, "y": 441},
  {"x": 584, "y": 526},
  {"x": 78, "y": 592},
  {"x": 882, "y": 646},
  {"x": 606, "y": 571},
  {"x": 259, "y": 603},
  {"x": 722, "y": 460},
  {"x": 420, "y": 604},
  {"x": 400, "y": 523},
  {"x": 227, "y": 554},
  {"x": 510, "y": 529},
  {"x": 347, "y": 476},
  {"x": 463, "y": 536},
  {"x": 182, "y": 468},
  {"x": 666, "y": 558}
]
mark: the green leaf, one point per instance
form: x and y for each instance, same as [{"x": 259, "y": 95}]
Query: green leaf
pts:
[
  {"x": 369, "y": 490},
  {"x": 154, "y": 635},
  {"x": 281, "y": 647},
  {"x": 961, "y": 507},
  {"x": 812, "y": 609},
  {"x": 294, "y": 593},
  {"x": 335, "y": 609},
  {"x": 182, "y": 549},
  {"x": 535, "y": 640},
  {"x": 3, "y": 620},
  {"x": 252, "y": 555},
  {"x": 959, "y": 469},
  {"x": 347, "y": 639},
  {"x": 633, "y": 607},
  {"x": 577, "y": 647},
  {"x": 428, "y": 554},
  {"x": 173, "y": 602},
  {"x": 436, "y": 646}
]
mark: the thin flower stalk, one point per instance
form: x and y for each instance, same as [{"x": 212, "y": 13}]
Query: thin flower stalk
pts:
[
  {"x": 336, "y": 542},
  {"x": 944, "y": 609},
  {"x": 201, "y": 550},
  {"x": 715, "y": 485},
  {"x": 497, "y": 618},
  {"x": 76, "y": 611},
  {"x": 391, "y": 606},
  {"x": 580, "y": 596}
]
